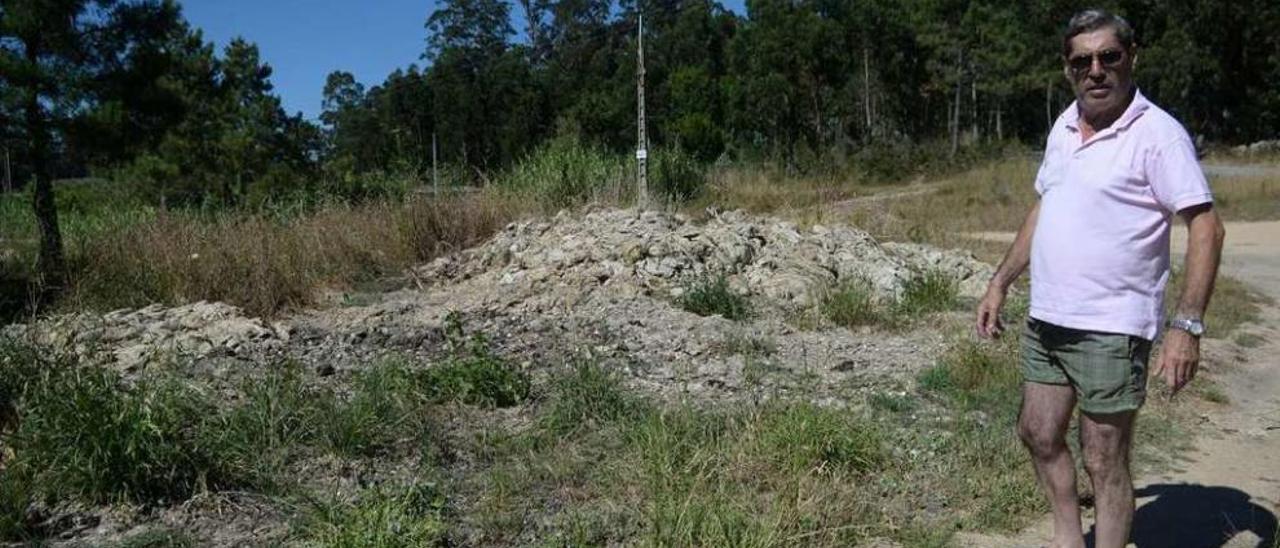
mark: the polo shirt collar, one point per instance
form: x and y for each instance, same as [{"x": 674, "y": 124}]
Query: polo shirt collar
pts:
[{"x": 1139, "y": 105}]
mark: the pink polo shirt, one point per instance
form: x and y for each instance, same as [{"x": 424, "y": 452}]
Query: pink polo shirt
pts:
[{"x": 1100, "y": 251}]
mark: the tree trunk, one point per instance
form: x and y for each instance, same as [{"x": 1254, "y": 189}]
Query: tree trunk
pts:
[
  {"x": 1048, "y": 107},
  {"x": 866, "y": 87},
  {"x": 973, "y": 90},
  {"x": 52, "y": 267},
  {"x": 1000, "y": 121},
  {"x": 955, "y": 113}
]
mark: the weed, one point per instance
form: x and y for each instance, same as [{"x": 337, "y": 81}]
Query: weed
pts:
[
  {"x": 473, "y": 374},
  {"x": 893, "y": 403},
  {"x": 804, "y": 437},
  {"x": 976, "y": 374},
  {"x": 17, "y": 493},
  {"x": 927, "y": 292},
  {"x": 852, "y": 304},
  {"x": 1211, "y": 392},
  {"x": 709, "y": 296},
  {"x": 85, "y": 435},
  {"x": 258, "y": 438},
  {"x": 1249, "y": 340},
  {"x": 387, "y": 516},
  {"x": 383, "y": 404},
  {"x": 749, "y": 345},
  {"x": 564, "y": 173},
  {"x": 586, "y": 398},
  {"x": 158, "y": 538}
]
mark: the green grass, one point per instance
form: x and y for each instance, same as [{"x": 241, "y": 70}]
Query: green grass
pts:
[
  {"x": 85, "y": 435},
  {"x": 158, "y": 538},
  {"x": 587, "y": 397},
  {"x": 711, "y": 295},
  {"x": 385, "y": 516},
  {"x": 928, "y": 292},
  {"x": 749, "y": 345},
  {"x": 853, "y": 304},
  {"x": 1249, "y": 340},
  {"x": 984, "y": 463}
]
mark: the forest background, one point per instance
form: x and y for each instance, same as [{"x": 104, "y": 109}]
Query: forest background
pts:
[{"x": 129, "y": 98}]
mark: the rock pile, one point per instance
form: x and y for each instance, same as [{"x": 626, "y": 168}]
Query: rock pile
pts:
[
  {"x": 632, "y": 251},
  {"x": 130, "y": 338},
  {"x": 544, "y": 290}
]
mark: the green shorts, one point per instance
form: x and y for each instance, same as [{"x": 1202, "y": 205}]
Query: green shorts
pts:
[{"x": 1108, "y": 371}]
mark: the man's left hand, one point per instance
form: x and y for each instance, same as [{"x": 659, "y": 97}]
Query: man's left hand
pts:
[{"x": 1179, "y": 358}]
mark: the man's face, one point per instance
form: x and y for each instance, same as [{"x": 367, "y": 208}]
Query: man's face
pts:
[{"x": 1100, "y": 70}]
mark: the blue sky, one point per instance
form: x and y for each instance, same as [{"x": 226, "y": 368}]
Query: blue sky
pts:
[{"x": 305, "y": 40}]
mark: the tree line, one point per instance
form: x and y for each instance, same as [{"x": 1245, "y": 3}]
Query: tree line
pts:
[{"x": 130, "y": 91}]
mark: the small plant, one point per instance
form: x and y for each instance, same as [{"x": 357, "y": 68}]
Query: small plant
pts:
[
  {"x": 1213, "y": 393},
  {"x": 382, "y": 403},
  {"x": 746, "y": 344},
  {"x": 1249, "y": 340},
  {"x": 276, "y": 419},
  {"x": 893, "y": 403},
  {"x": 158, "y": 538},
  {"x": 852, "y": 304},
  {"x": 588, "y": 396},
  {"x": 710, "y": 296},
  {"x": 389, "y": 517},
  {"x": 927, "y": 292},
  {"x": 474, "y": 374},
  {"x": 801, "y": 437}
]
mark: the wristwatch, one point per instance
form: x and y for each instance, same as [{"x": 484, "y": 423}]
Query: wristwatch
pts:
[{"x": 1191, "y": 325}]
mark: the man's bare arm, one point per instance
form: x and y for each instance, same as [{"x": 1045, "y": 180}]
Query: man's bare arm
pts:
[
  {"x": 1014, "y": 263},
  {"x": 1205, "y": 235},
  {"x": 1180, "y": 353}
]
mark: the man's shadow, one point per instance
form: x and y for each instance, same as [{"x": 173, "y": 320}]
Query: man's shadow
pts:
[{"x": 1197, "y": 516}]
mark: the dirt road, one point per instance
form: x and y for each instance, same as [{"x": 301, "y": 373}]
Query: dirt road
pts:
[{"x": 1227, "y": 490}]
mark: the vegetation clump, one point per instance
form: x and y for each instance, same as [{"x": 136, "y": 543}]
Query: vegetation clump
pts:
[{"x": 711, "y": 295}]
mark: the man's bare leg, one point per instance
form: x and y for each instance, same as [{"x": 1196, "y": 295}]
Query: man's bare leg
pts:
[
  {"x": 1105, "y": 440},
  {"x": 1042, "y": 425}
]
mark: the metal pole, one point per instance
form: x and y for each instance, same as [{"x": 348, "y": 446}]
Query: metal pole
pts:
[
  {"x": 642, "y": 145},
  {"x": 435, "y": 173}
]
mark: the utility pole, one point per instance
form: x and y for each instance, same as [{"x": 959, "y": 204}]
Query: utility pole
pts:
[
  {"x": 435, "y": 172},
  {"x": 642, "y": 144}
]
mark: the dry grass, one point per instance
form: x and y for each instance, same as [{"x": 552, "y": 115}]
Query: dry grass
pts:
[
  {"x": 765, "y": 190},
  {"x": 1248, "y": 198},
  {"x": 267, "y": 265}
]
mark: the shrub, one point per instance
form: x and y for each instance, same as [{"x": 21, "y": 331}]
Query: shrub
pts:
[
  {"x": 677, "y": 176},
  {"x": 564, "y": 173},
  {"x": 709, "y": 296}
]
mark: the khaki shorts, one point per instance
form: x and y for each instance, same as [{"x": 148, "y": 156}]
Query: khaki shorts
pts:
[{"x": 1107, "y": 370}]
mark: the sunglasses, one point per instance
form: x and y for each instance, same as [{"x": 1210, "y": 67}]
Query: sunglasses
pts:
[{"x": 1081, "y": 64}]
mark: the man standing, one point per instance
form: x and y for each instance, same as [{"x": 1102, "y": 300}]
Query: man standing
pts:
[{"x": 1116, "y": 169}]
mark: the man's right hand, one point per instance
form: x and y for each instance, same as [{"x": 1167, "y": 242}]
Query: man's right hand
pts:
[{"x": 989, "y": 325}]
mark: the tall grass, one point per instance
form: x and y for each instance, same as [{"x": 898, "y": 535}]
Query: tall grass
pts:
[{"x": 265, "y": 265}]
